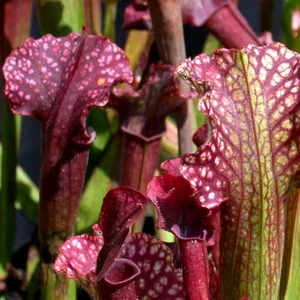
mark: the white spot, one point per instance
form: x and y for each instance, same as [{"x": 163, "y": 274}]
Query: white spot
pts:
[
  {"x": 284, "y": 69},
  {"x": 288, "y": 84},
  {"x": 202, "y": 199},
  {"x": 277, "y": 78},
  {"x": 158, "y": 287},
  {"x": 203, "y": 171},
  {"x": 218, "y": 184},
  {"x": 142, "y": 283},
  {"x": 194, "y": 181},
  {"x": 279, "y": 93},
  {"x": 28, "y": 63},
  {"x": 203, "y": 156},
  {"x": 267, "y": 61},
  {"x": 23, "y": 51},
  {"x": 273, "y": 53},
  {"x": 294, "y": 90},
  {"x": 79, "y": 246},
  {"x": 74, "y": 242},
  {"x": 153, "y": 249},
  {"x": 289, "y": 101},
  {"x": 262, "y": 74},
  {"x": 211, "y": 195},
  {"x": 271, "y": 102},
  {"x": 289, "y": 54},
  {"x": 174, "y": 289},
  {"x": 209, "y": 174},
  {"x": 163, "y": 280},
  {"x": 254, "y": 62}
]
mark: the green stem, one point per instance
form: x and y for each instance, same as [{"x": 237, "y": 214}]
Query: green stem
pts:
[
  {"x": 290, "y": 275},
  {"x": 56, "y": 287},
  {"x": 8, "y": 185},
  {"x": 12, "y": 33},
  {"x": 109, "y": 20}
]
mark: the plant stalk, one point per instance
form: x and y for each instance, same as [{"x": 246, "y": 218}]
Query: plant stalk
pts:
[
  {"x": 140, "y": 160},
  {"x": 8, "y": 186},
  {"x": 195, "y": 268},
  {"x": 231, "y": 28},
  {"x": 291, "y": 257},
  {"x": 12, "y": 33},
  {"x": 57, "y": 284},
  {"x": 110, "y": 19},
  {"x": 138, "y": 166},
  {"x": 168, "y": 32},
  {"x": 60, "y": 192},
  {"x": 92, "y": 11},
  {"x": 61, "y": 181}
]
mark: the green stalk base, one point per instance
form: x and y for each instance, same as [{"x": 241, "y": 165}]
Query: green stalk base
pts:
[{"x": 56, "y": 286}]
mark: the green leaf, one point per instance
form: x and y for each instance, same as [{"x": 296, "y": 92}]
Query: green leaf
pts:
[
  {"x": 60, "y": 17},
  {"x": 99, "y": 121},
  {"x": 138, "y": 41},
  {"x": 200, "y": 118},
  {"x": 8, "y": 184},
  {"x": 290, "y": 24},
  {"x": 110, "y": 19},
  {"x": 14, "y": 28},
  {"x": 27, "y": 193},
  {"x": 211, "y": 44},
  {"x": 291, "y": 258},
  {"x": 252, "y": 100}
]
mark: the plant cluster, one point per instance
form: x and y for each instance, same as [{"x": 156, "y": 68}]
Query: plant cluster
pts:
[{"x": 227, "y": 187}]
